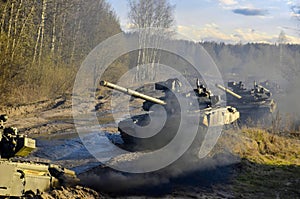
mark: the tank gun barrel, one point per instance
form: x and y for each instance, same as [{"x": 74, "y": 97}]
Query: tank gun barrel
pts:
[
  {"x": 132, "y": 92},
  {"x": 266, "y": 90},
  {"x": 228, "y": 91}
]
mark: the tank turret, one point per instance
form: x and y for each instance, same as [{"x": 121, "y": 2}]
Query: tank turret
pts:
[
  {"x": 254, "y": 104},
  {"x": 12, "y": 143},
  {"x": 257, "y": 93}
]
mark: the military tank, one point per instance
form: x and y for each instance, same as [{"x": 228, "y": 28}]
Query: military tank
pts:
[
  {"x": 254, "y": 104},
  {"x": 210, "y": 114},
  {"x": 20, "y": 178}
]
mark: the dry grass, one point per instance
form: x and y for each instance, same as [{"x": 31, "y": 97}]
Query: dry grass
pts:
[
  {"x": 39, "y": 84},
  {"x": 261, "y": 147},
  {"x": 270, "y": 165},
  {"x": 49, "y": 81}
]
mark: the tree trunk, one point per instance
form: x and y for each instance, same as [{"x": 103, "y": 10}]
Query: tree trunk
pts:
[
  {"x": 36, "y": 45},
  {"x": 62, "y": 34},
  {"x": 144, "y": 15},
  {"x": 42, "y": 30},
  {"x": 77, "y": 27},
  {"x": 10, "y": 24},
  {"x": 53, "y": 39},
  {"x": 16, "y": 29},
  {"x": 25, "y": 22},
  {"x": 3, "y": 19}
]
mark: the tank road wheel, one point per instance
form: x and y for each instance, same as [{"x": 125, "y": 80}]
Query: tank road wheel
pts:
[{"x": 29, "y": 195}]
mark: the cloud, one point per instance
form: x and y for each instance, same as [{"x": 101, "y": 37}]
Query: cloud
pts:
[
  {"x": 255, "y": 36},
  {"x": 212, "y": 32},
  {"x": 252, "y": 35},
  {"x": 295, "y": 11},
  {"x": 250, "y": 11},
  {"x": 291, "y": 39},
  {"x": 290, "y": 2},
  {"x": 228, "y": 2}
]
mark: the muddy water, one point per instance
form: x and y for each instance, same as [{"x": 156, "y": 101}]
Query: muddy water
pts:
[{"x": 68, "y": 150}]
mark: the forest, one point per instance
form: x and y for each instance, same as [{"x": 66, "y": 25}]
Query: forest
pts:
[
  {"x": 43, "y": 43},
  {"x": 273, "y": 61}
]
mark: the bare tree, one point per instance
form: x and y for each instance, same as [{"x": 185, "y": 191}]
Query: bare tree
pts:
[
  {"x": 4, "y": 8},
  {"x": 151, "y": 13},
  {"x": 154, "y": 19},
  {"x": 282, "y": 40},
  {"x": 54, "y": 29}
]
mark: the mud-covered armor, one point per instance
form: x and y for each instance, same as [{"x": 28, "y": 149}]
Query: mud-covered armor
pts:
[{"x": 20, "y": 178}]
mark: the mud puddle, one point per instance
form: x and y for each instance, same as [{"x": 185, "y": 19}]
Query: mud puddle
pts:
[{"x": 68, "y": 150}]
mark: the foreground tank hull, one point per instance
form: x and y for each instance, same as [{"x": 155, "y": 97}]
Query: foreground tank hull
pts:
[
  {"x": 18, "y": 179},
  {"x": 26, "y": 179}
]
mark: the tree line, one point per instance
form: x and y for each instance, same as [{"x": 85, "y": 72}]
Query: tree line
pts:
[
  {"x": 43, "y": 42},
  {"x": 277, "y": 61}
]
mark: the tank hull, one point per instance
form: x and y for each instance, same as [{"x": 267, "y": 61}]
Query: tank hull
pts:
[
  {"x": 254, "y": 104},
  {"x": 28, "y": 178},
  {"x": 19, "y": 178},
  {"x": 22, "y": 178},
  {"x": 255, "y": 111},
  {"x": 211, "y": 117}
]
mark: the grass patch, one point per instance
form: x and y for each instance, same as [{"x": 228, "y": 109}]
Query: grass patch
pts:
[
  {"x": 261, "y": 147},
  {"x": 269, "y": 167}
]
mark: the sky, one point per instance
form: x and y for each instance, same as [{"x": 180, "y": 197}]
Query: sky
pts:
[{"x": 230, "y": 21}]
